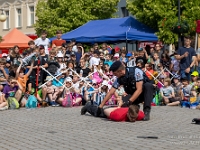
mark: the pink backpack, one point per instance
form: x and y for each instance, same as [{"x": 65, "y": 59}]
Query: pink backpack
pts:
[
  {"x": 97, "y": 77},
  {"x": 68, "y": 100}
]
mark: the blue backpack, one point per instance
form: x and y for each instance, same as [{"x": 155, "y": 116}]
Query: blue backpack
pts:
[{"x": 31, "y": 102}]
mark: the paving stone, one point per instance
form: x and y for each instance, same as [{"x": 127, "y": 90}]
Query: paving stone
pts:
[{"x": 64, "y": 128}]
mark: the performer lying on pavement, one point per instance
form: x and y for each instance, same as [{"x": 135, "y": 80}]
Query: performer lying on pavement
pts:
[{"x": 131, "y": 113}]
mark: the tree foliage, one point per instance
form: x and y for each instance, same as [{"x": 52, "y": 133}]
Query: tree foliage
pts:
[
  {"x": 67, "y": 15},
  {"x": 162, "y": 15}
]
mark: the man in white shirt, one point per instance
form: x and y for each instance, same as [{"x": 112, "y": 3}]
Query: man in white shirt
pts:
[{"x": 43, "y": 40}]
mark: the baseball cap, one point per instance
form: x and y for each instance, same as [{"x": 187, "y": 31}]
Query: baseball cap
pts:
[
  {"x": 105, "y": 83},
  {"x": 116, "y": 55},
  {"x": 67, "y": 55},
  {"x": 115, "y": 66},
  {"x": 59, "y": 54},
  {"x": 41, "y": 46},
  {"x": 195, "y": 73},
  {"x": 72, "y": 53},
  {"x": 4, "y": 55},
  {"x": 128, "y": 54},
  {"x": 48, "y": 78},
  {"x": 68, "y": 79},
  {"x": 176, "y": 76},
  {"x": 140, "y": 49},
  {"x": 117, "y": 49}
]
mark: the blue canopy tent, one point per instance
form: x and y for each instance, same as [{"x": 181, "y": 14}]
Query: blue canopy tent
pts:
[{"x": 111, "y": 30}]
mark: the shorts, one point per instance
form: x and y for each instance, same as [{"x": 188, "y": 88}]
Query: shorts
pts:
[
  {"x": 171, "y": 100},
  {"x": 187, "y": 104}
]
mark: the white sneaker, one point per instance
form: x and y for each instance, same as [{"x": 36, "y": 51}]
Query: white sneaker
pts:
[{"x": 4, "y": 108}]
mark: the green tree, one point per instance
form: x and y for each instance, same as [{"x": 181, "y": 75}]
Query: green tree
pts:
[
  {"x": 162, "y": 15},
  {"x": 67, "y": 15}
]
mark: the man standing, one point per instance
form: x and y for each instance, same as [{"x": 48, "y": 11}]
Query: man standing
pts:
[
  {"x": 187, "y": 57},
  {"x": 43, "y": 63},
  {"x": 135, "y": 84},
  {"x": 58, "y": 41},
  {"x": 43, "y": 40}
]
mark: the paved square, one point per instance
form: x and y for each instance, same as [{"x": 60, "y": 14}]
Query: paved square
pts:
[{"x": 64, "y": 128}]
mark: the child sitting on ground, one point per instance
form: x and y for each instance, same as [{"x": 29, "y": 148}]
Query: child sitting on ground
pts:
[
  {"x": 70, "y": 94},
  {"x": 50, "y": 91},
  {"x": 13, "y": 89},
  {"x": 3, "y": 102},
  {"x": 167, "y": 93},
  {"x": 21, "y": 77},
  {"x": 186, "y": 89}
]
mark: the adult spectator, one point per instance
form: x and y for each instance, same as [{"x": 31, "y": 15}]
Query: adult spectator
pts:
[
  {"x": 158, "y": 49},
  {"x": 135, "y": 84},
  {"x": 43, "y": 62},
  {"x": 58, "y": 41},
  {"x": 43, "y": 40},
  {"x": 187, "y": 57},
  {"x": 15, "y": 55}
]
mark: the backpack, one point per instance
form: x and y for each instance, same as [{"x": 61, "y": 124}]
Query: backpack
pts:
[
  {"x": 13, "y": 103},
  {"x": 31, "y": 102},
  {"x": 67, "y": 101}
]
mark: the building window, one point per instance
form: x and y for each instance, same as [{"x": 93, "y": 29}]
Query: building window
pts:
[
  {"x": 32, "y": 15},
  {"x": 7, "y": 22},
  {"x": 19, "y": 17},
  {"x": 125, "y": 12}
]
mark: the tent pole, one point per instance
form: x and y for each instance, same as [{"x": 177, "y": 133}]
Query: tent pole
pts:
[
  {"x": 136, "y": 43},
  {"x": 126, "y": 46}
]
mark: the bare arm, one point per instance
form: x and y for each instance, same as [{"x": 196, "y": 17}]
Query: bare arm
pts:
[
  {"x": 138, "y": 91},
  {"x": 198, "y": 57},
  {"x": 193, "y": 61},
  {"x": 45, "y": 65},
  {"x": 18, "y": 84},
  {"x": 18, "y": 70},
  {"x": 4, "y": 73},
  {"x": 108, "y": 96},
  {"x": 179, "y": 57},
  {"x": 173, "y": 95},
  {"x": 82, "y": 50}
]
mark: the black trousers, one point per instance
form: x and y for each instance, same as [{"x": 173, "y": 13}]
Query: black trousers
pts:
[
  {"x": 146, "y": 96},
  {"x": 94, "y": 110}
]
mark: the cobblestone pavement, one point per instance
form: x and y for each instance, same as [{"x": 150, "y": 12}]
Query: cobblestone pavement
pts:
[{"x": 64, "y": 128}]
